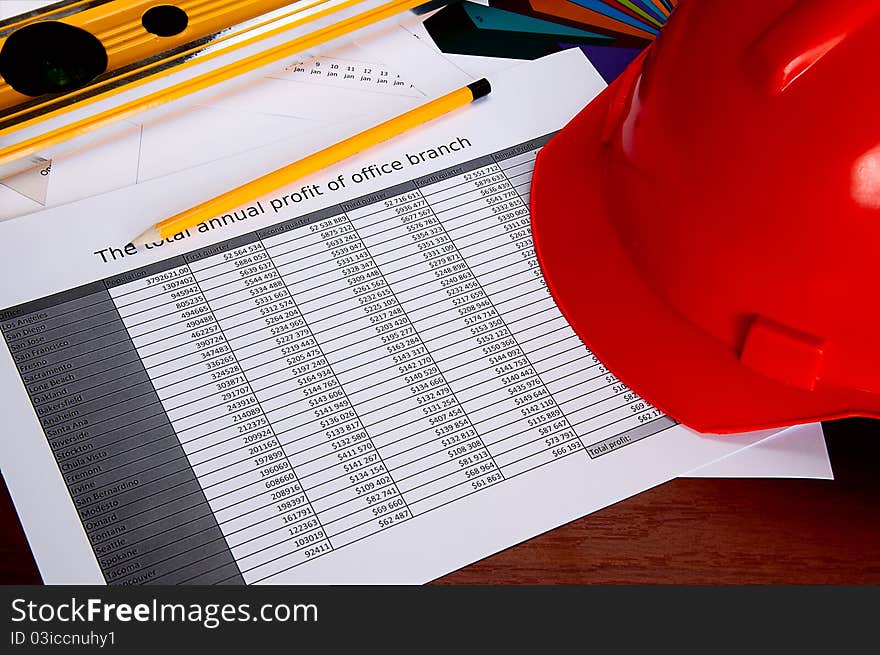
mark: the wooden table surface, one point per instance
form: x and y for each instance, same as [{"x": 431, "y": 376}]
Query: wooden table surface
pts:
[{"x": 693, "y": 531}]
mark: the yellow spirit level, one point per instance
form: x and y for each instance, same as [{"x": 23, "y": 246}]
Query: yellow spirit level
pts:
[{"x": 74, "y": 67}]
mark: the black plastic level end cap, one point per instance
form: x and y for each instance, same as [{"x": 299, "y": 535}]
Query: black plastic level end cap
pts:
[{"x": 480, "y": 88}]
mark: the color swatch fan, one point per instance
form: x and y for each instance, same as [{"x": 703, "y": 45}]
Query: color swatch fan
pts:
[{"x": 610, "y": 33}]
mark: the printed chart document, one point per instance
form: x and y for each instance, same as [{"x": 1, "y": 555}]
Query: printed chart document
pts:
[{"x": 360, "y": 379}]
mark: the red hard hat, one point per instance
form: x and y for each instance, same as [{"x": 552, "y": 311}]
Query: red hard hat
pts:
[{"x": 710, "y": 224}]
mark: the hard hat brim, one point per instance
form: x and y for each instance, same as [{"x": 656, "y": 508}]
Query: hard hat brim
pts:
[{"x": 651, "y": 348}]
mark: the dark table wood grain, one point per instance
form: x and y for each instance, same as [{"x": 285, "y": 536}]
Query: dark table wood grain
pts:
[{"x": 687, "y": 531}]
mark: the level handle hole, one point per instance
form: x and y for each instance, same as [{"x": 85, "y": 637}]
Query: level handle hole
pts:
[{"x": 165, "y": 20}]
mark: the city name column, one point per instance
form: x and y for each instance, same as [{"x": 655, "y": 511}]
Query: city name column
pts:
[{"x": 138, "y": 499}]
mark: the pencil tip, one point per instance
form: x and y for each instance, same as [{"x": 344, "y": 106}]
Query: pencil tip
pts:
[{"x": 147, "y": 236}]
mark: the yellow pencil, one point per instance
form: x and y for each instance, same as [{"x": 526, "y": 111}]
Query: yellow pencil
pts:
[{"x": 312, "y": 163}]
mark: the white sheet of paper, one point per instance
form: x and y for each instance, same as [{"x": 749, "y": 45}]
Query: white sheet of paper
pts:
[
  {"x": 798, "y": 452},
  {"x": 367, "y": 385}
]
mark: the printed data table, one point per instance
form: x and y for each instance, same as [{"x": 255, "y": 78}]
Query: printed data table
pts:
[{"x": 232, "y": 413}]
